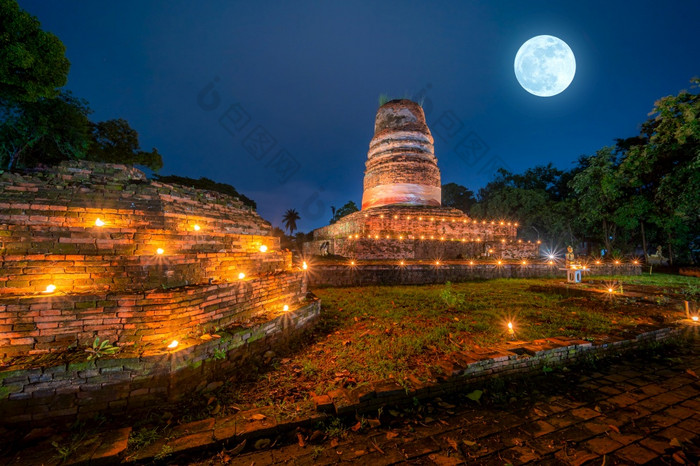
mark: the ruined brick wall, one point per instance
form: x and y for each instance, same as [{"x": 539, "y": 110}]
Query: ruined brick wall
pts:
[
  {"x": 41, "y": 395},
  {"x": 423, "y": 274},
  {"x": 37, "y": 324},
  {"x": 49, "y": 236}
]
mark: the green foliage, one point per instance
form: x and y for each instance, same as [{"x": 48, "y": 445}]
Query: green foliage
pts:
[
  {"x": 475, "y": 395},
  {"x": 347, "y": 209},
  {"x": 33, "y": 64},
  {"x": 449, "y": 297},
  {"x": 164, "y": 452},
  {"x": 643, "y": 191},
  {"x": 143, "y": 437},
  {"x": 539, "y": 199},
  {"x": 47, "y": 132},
  {"x": 114, "y": 141},
  {"x": 457, "y": 196},
  {"x": 100, "y": 349},
  {"x": 219, "y": 354},
  {"x": 206, "y": 183}
]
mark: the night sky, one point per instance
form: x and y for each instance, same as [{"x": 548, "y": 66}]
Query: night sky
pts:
[{"x": 306, "y": 77}]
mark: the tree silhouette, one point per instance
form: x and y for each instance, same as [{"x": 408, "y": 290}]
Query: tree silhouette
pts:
[{"x": 290, "y": 220}]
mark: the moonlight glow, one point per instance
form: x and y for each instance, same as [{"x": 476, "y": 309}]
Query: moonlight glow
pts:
[{"x": 545, "y": 66}]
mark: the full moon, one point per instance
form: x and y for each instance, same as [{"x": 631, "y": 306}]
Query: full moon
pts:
[{"x": 545, "y": 66}]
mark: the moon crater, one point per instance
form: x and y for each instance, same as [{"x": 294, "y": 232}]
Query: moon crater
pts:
[{"x": 545, "y": 66}]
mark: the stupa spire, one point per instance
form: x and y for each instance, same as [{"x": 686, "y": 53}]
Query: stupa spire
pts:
[{"x": 401, "y": 167}]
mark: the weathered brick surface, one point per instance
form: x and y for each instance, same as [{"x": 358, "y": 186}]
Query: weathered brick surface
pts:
[
  {"x": 421, "y": 274},
  {"x": 118, "y": 384},
  {"x": 109, "y": 280}
]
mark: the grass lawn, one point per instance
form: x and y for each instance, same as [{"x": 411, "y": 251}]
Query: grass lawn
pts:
[{"x": 368, "y": 334}]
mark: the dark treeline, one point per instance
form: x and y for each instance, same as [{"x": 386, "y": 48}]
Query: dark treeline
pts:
[{"x": 629, "y": 198}]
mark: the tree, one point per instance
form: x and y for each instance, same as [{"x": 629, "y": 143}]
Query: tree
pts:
[
  {"x": 347, "y": 209},
  {"x": 598, "y": 187},
  {"x": 114, "y": 141},
  {"x": 663, "y": 165},
  {"x": 33, "y": 64},
  {"x": 45, "y": 132},
  {"x": 290, "y": 220},
  {"x": 457, "y": 196}
]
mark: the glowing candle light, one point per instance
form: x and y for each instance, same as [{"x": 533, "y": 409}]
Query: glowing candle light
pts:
[
  {"x": 437, "y": 262},
  {"x": 597, "y": 262},
  {"x": 551, "y": 262},
  {"x": 499, "y": 262},
  {"x": 538, "y": 242},
  {"x": 241, "y": 276},
  {"x": 610, "y": 290},
  {"x": 400, "y": 237},
  {"x": 50, "y": 289},
  {"x": 304, "y": 266},
  {"x": 352, "y": 262},
  {"x": 524, "y": 262},
  {"x": 471, "y": 262},
  {"x": 501, "y": 222},
  {"x": 617, "y": 262},
  {"x": 511, "y": 330},
  {"x": 263, "y": 248},
  {"x": 173, "y": 344},
  {"x": 422, "y": 236},
  {"x": 635, "y": 262},
  {"x": 695, "y": 318},
  {"x": 99, "y": 223},
  {"x": 159, "y": 251},
  {"x": 197, "y": 227},
  {"x": 401, "y": 263},
  {"x": 285, "y": 308}
]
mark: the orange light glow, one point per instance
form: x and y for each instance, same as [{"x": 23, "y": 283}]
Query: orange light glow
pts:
[
  {"x": 263, "y": 248},
  {"x": 50, "y": 289},
  {"x": 99, "y": 223},
  {"x": 285, "y": 308},
  {"x": 197, "y": 227},
  {"x": 159, "y": 251},
  {"x": 304, "y": 266},
  {"x": 173, "y": 344},
  {"x": 241, "y": 276}
]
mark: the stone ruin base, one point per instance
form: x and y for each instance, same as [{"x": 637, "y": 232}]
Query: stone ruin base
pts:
[{"x": 32, "y": 395}]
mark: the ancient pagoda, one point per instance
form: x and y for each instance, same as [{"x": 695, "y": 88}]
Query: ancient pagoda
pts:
[{"x": 402, "y": 216}]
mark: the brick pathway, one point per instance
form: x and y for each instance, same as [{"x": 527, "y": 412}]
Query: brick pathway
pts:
[{"x": 636, "y": 411}]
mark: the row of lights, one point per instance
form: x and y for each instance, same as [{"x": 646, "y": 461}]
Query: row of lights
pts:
[
  {"x": 52, "y": 288},
  {"x": 432, "y": 219},
  {"x": 442, "y": 238}
]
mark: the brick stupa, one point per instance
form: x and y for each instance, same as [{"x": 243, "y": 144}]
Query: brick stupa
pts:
[{"x": 402, "y": 216}]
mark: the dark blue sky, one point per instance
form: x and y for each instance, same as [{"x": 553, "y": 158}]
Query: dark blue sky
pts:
[{"x": 309, "y": 74}]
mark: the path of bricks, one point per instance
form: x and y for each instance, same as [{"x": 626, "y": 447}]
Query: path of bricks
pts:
[{"x": 639, "y": 410}]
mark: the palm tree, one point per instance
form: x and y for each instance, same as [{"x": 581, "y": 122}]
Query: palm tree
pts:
[{"x": 290, "y": 220}]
